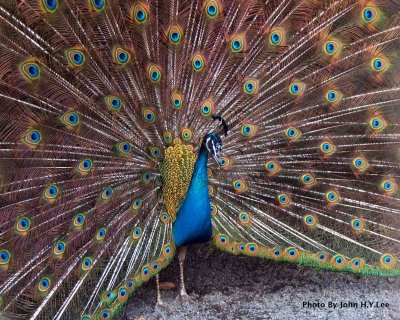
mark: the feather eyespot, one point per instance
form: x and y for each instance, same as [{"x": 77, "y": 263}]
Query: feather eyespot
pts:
[
  {"x": 308, "y": 179},
  {"x": 248, "y": 130},
  {"x": 276, "y": 253},
  {"x": 244, "y": 217},
  {"x": 251, "y": 86},
  {"x": 222, "y": 240},
  {"x": 177, "y": 101},
  {"x": 23, "y": 225},
  {"x": 198, "y": 62},
  {"x": 387, "y": 260},
  {"x": 85, "y": 166},
  {"x": 238, "y": 43},
  {"x": 5, "y": 257},
  {"x": 333, "y": 96},
  {"x": 49, "y": 6},
  {"x": 44, "y": 284},
  {"x": 360, "y": 164},
  {"x": 379, "y": 64},
  {"x": 226, "y": 163},
  {"x": 140, "y": 13},
  {"x": 284, "y": 199},
  {"x": 105, "y": 314},
  {"x": 147, "y": 177},
  {"x": 121, "y": 56},
  {"x": 86, "y": 317},
  {"x": 175, "y": 34},
  {"x": 310, "y": 220},
  {"x": 167, "y": 135},
  {"x": 276, "y": 37},
  {"x": 75, "y": 57},
  {"x": 59, "y": 248},
  {"x": 106, "y": 194},
  {"x": 296, "y": 88},
  {"x": 331, "y": 47},
  {"x": 124, "y": 148},
  {"x": 186, "y": 134},
  {"x": 240, "y": 186},
  {"x": 338, "y": 261},
  {"x": 101, "y": 234},
  {"x": 357, "y": 224},
  {"x": 149, "y": 116},
  {"x": 78, "y": 220},
  {"x": 33, "y": 138},
  {"x": 357, "y": 263},
  {"x": 168, "y": 251},
  {"x": 292, "y": 133},
  {"x": 136, "y": 233},
  {"x": 87, "y": 263},
  {"x": 369, "y": 14},
  {"x": 155, "y": 152},
  {"x": 51, "y": 193},
  {"x": 113, "y": 103},
  {"x": 389, "y": 186},
  {"x": 273, "y": 167},
  {"x": 30, "y": 70},
  {"x": 327, "y": 148},
  {"x": 154, "y": 73},
  {"x": 291, "y": 253},
  {"x": 164, "y": 218},
  {"x": 213, "y": 8},
  {"x": 207, "y": 108},
  {"x": 71, "y": 119},
  {"x": 377, "y": 124},
  {"x": 332, "y": 197},
  {"x": 97, "y": 5},
  {"x": 251, "y": 249},
  {"x": 321, "y": 257},
  {"x": 122, "y": 294},
  {"x": 214, "y": 209}
]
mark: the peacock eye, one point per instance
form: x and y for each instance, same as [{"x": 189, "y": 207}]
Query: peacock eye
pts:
[
  {"x": 276, "y": 37},
  {"x": 140, "y": 13},
  {"x": 149, "y": 115},
  {"x": 296, "y": 88},
  {"x": 379, "y": 64},
  {"x": 87, "y": 263},
  {"x": 213, "y": 8},
  {"x": 75, "y": 57},
  {"x": 121, "y": 56},
  {"x": 23, "y": 224},
  {"x": 175, "y": 34},
  {"x": 59, "y": 248},
  {"x": 251, "y": 87},
  {"x": 310, "y": 220},
  {"x": 50, "y": 6},
  {"x": 114, "y": 103},
  {"x": 44, "y": 284},
  {"x": 154, "y": 73},
  {"x": 51, "y": 193},
  {"x": 30, "y": 70},
  {"x": 136, "y": 233},
  {"x": 198, "y": 62},
  {"x": 186, "y": 134},
  {"x": 284, "y": 199},
  {"x": 207, "y": 108},
  {"x": 331, "y": 47},
  {"x": 369, "y": 14},
  {"x": 177, "y": 101},
  {"x": 98, "y": 5},
  {"x": 33, "y": 138},
  {"x": 71, "y": 119},
  {"x": 5, "y": 257},
  {"x": 238, "y": 44},
  {"x": 248, "y": 130}
]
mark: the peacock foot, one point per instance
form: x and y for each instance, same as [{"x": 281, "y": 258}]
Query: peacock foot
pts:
[
  {"x": 162, "y": 306},
  {"x": 184, "y": 298}
]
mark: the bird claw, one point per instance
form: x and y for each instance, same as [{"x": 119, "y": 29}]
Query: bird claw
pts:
[
  {"x": 162, "y": 306},
  {"x": 184, "y": 297}
]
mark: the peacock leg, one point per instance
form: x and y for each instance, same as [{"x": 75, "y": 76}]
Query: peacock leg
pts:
[
  {"x": 182, "y": 292},
  {"x": 161, "y": 304}
]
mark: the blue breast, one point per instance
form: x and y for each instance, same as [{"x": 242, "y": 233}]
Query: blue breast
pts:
[{"x": 193, "y": 221}]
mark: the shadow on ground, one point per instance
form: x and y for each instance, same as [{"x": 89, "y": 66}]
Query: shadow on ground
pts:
[{"x": 229, "y": 287}]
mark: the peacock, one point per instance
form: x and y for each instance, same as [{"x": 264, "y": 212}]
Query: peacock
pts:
[{"x": 130, "y": 130}]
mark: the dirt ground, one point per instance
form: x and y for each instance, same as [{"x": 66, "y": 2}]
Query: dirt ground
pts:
[{"x": 222, "y": 286}]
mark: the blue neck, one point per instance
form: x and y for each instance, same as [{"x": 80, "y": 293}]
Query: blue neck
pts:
[{"x": 193, "y": 221}]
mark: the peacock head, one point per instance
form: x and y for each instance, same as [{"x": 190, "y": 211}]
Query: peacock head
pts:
[{"x": 212, "y": 141}]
